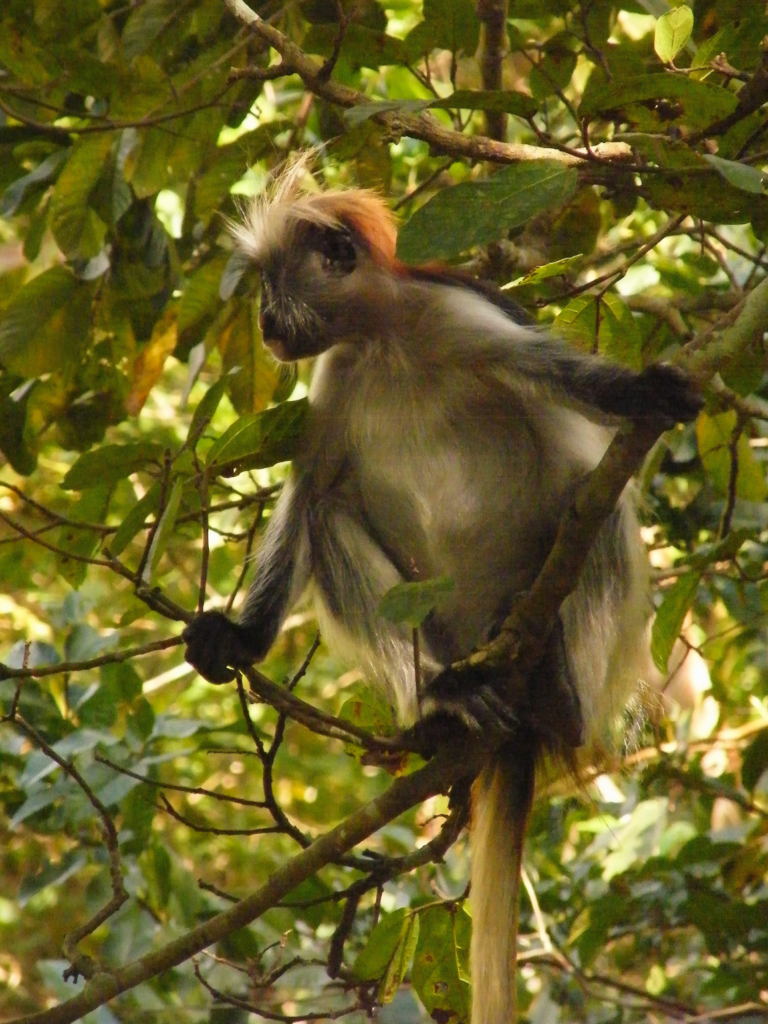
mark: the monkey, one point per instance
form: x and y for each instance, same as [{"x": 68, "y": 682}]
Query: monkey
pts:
[{"x": 446, "y": 435}]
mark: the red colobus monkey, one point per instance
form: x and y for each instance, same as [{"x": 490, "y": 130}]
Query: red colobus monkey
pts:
[{"x": 446, "y": 437}]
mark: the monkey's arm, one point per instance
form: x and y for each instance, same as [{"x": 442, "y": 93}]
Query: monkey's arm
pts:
[
  {"x": 215, "y": 644},
  {"x": 525, "y": 358},
  {"x": 661, "y": 389}
]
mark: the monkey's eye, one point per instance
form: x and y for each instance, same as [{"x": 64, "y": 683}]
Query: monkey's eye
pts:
[{"x": 337, "y": 251}]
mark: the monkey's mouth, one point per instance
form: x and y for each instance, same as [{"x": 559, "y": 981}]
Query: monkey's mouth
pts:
[
  {"x": 279, "y": 349},
  {"x": 291, "y": 329}
]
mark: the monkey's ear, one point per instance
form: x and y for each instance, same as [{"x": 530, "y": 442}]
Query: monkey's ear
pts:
[{"x": 337, "y": 249}]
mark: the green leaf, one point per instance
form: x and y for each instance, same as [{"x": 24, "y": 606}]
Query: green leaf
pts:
[
  {"x": 13, "y": 442},
  {"x": 714, "y": 435},
  {"x": 507, "y": 101},
  {"x": 699, "y": 196},
  {"x": 77, "y": 228},
  {"x": 52, "y": 874},
  {"x": 479, "y": 212},
  {"x": 135, "y": 520},
  {"x": 206, "y": 409},
  {"x": 163, "y": 533},
  {"x": 448, "y": 25},
  {"x": 92, "y": 507},
  {"x": 748, "y": 179},
  {"x": 615, "y": 334},
  {"x": 227, "y": 164},
  {"x": 543, "y": 272},
  {"x": 755, "y": 760},
  {"x": 369, "y": 710},
  {"x": 240, "y": 343},
  {"x": 45, "y": 171},
  {"x": 363, "y": 111},
  {"x": 554, "y": 69},
  {"x": 400, "y": 962},
  {"x": 701, "y": 102},
  {"x": 384, "y": 954},
  {"x": 21, "y": 57},
  {"x": 80, "y": 741},
  {"x": 362, "y": 47},
  {"x": 740, "y": 40},
  {"x": 145, "y": 24},
  {"x": 41, "y": 301},
  {"x": 260, "y": 440},
  {"x": 670, "y": 617},
  {"x": 201, "y": 294},
  {"x": 144, "y": 87},
  {"x": 440, "y": 973},
  {"x": 111, "y": 463},
  {"x": 673, "y": 30},
  {"x": 412, "y": 602},
  {"x": 589, "y": 931},
  {"x": 635, "y": 839}
]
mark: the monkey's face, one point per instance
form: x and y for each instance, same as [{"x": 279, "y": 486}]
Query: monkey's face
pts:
[{"x": 311, "y": 291}]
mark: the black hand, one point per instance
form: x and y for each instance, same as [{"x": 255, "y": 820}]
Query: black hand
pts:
[
  {"x": 216, "y": 646},
  {"x": 663, "y": 390}
]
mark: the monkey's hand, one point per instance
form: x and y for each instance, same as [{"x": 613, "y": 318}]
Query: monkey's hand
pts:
[
  {"x": 216, "y": 646},
  {"x": 662, "y": 390}
]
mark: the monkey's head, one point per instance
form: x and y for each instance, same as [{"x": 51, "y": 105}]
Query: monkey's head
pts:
[{"x": 325, "y": 260}]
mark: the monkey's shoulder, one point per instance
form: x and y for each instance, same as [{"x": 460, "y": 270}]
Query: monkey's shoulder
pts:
[{"x": 453, "y": 277}]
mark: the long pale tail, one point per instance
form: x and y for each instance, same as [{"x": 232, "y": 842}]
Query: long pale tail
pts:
[{"x": 501, "y": 804}]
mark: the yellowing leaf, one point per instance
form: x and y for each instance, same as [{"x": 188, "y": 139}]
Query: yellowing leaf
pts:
[{"x": 151, "y": 360}]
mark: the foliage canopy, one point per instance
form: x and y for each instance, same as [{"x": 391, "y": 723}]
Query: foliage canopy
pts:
[{"x": 605, "y": 161}]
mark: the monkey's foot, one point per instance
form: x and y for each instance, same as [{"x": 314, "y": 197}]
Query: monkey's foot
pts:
[
  {"x": 666, "y": 391},
  {"x": 437, "y": 730},
  {"x": 216, "y": 647},
  {"x": 461, "y": 707},
  {"x": 478, "y": 698}
]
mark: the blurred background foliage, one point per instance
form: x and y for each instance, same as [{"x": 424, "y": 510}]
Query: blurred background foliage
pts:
[{"x": 137, "y": 405}]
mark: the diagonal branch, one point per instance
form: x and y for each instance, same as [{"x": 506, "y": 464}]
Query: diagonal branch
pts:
[
  {"x": 420, "y": 125},
  {"x": 436, "y": 777}
]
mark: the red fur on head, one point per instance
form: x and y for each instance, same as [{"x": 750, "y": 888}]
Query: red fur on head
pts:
[
  {"x": 369, "y": 216},
  {"x": 363, "y": 211}
]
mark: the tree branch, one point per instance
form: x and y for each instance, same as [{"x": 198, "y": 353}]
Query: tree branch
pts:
[
  {"x": 494, "y": 45},
  {"x": 523, "y": 635},
  {"x": 422, "y": 125},
  {"x": 435, "y": 777}
]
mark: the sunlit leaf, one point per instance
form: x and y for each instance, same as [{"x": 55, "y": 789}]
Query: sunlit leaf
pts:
[
  {"x": 163, "y": 532},
  {"x": 715, "y": 437},
  {"x": 262, "y": 439},
  {"x": 673, "y": 30},
  {"x": 670, "y": 617}
]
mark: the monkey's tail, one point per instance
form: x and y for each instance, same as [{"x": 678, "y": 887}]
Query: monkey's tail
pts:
[{"x": 501, "y": 804}]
